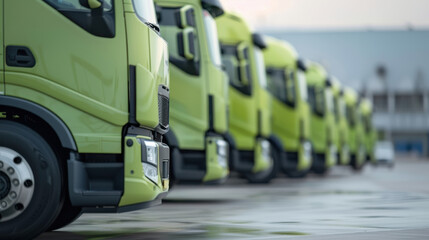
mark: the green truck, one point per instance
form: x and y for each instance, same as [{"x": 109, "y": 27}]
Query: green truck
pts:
[
  {"x": 198, "y": 119},
  {"x": 370, "y": 135},
  {"x": 84, "y": 105},
  {"x": 356, "y": 129},
  {"x": 253, "y": 149},
  {"x": 341, "y": 142},
  {"x": 322, "y": 120},
  {"x": 290, "y": 108}
]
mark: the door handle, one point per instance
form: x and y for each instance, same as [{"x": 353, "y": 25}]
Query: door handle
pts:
[{"x": 19, "y": 56}]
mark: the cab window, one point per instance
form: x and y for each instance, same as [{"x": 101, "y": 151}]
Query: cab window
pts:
[
  {"x": 173, "y": 30},
  {"x": 99, "y": 22},
  {"x": 235, "y": 59},
  {"x": 281, "y": 85}
]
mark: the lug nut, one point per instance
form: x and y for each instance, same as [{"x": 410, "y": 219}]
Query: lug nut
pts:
[
  {"x": 19, "y": 206},
  {"x": 15, "y": 182},
  {"x": 28, "y": 183},
  {"x": 10, "y": 171},
  {"x": 17, "y": 160},
  {"x": 13, "y": 195},
  {"x": 3, "y": 204}
]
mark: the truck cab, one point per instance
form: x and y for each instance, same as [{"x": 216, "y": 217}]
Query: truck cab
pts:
[
  {"x": 199, "y": 152},
  {"x": 84, "y": 105},
  {"x": 341, "y": 123},
  {"x": 322, "y": 118},
  {"x": 356, "y": 129},
  {"x": 290, "y": 108},
  {"x": 253, "y": 152}
]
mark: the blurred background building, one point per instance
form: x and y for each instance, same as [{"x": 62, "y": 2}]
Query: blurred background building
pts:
[{"x": 383, "y": 56}]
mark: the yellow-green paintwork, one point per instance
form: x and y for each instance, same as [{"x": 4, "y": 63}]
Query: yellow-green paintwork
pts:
[
  {"x": 189, "y": 113},
  {"x": 356, "y": 131},
  {"x": 261, "y": 162},
  {"x": 342, "y": 136},
  {"x": 369, "y": 130},
  {"x": 322, "y": 127},
  {"x": 72, "y": 80},
  {"x": 86, "y": 90},
  {"x": 290, "y": 124},
  {"x": 214, "y": 170},
  {"x": 244, "y": 123},
  {"x": 135, "y": 178}
]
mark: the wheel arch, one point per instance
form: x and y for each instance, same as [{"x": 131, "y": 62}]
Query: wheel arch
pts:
[{"x": 58, "y": 126}]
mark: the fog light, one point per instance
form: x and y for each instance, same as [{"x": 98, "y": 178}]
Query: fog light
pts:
[
  {"x": 307, "y": 151},
  {"x": 150, "y": 172},
  {"x": 222, "y": 153},
  {"x": 266, "y": 150}
]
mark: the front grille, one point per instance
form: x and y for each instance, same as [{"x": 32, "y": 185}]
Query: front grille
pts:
[{"x": 164, "y": 111}]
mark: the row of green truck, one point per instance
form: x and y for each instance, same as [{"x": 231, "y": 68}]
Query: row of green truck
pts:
[{"x": 106, "y": 104}]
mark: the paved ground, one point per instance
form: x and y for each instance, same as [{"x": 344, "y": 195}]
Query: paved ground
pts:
[{"x": 378, "y": 203}]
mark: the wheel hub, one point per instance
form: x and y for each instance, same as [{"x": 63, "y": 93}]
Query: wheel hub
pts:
[
  {"x": 4, "y": 185},
  {"x": 16, "y": 184}
]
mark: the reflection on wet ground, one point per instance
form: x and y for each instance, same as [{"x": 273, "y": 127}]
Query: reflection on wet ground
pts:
[{"x": 343, "y": 204}]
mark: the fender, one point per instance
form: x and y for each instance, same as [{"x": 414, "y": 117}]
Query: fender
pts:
[
  {"x": 60, "y": 128},
  {"x": 171, "y": 139},
  {"x": 276, "y": 142}
]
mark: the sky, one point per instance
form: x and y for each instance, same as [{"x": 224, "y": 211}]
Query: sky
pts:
[{"x": 332, "y": 14}]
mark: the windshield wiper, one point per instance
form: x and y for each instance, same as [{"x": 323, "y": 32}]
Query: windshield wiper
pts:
[{"x": 153, "y": 26}]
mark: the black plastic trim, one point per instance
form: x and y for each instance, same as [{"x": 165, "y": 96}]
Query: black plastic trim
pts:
[
  {"x": 129, "y": 208},
  {"x": 259, "y": 41},
  {"x": 300, "y": 63},
  {"x": 214, "y": 7},
  {"x": 19, "y": 56},
  {"x": 60, "y": 128},
  {"x": 171, "y": 139},
  {"x": 132, "y": 95},
  {"x": 211, "y": 113}
]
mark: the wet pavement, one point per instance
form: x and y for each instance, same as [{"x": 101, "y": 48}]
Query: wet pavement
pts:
[{"x": 378, "y": 203}]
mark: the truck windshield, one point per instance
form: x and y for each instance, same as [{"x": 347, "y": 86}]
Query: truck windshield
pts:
[
  {"x": 145, "y": 10},
  {"x": 260, "y": 67},
  {"x": 212, "y": 39},
  {"x": 302, "y": 84}
]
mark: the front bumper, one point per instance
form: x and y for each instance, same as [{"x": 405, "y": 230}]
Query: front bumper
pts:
[
  {"x": 263, "y": 156},
  {"x": 305, "y": 156},
  {"x": 331, "y": 156},
  {"x": 146, "y": 171},
  {"x": 217, "y": 159}
]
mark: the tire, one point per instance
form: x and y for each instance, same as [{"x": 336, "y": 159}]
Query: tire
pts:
[
  {"x": 47, "y": 197},
  {"x": 174, "y": 153},
  {"x": 355, "y": 166},
  {"x": 319, "y": 167},
  {"x": 67, "y": 215},
  {"x": 297, "y": 174},
  {"x": 267, "y": 175}
]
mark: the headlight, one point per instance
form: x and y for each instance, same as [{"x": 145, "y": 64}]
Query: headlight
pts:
[
  {"x": 222, "y": 153},
  {"x": 151, "y": 152},
  {"x": 150, "y": 163}
]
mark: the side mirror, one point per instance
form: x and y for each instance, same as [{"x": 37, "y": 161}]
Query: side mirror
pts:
[
  {"x": 186, "y": 17},
  {"x": 91, "y": 4},
  {"x": 186, "y": 44}
]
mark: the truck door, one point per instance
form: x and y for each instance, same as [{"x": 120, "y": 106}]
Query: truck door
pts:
[{"x": 59, "y": 49}]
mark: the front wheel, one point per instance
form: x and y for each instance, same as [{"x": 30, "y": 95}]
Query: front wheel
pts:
[
  {"x": 267, "y": 175},
  {"x": 30, "y": 182},
  {"x": 68, "y": 214}
]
